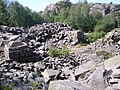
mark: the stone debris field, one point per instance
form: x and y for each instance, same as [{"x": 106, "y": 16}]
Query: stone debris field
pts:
[{"x": 26, "y": 64}]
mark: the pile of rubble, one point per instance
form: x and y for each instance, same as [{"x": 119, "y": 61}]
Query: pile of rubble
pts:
[
  {"x": 57, "y": 34},
  {"x": 42, "y": 37},
  {"x": 23, "y": 62}
]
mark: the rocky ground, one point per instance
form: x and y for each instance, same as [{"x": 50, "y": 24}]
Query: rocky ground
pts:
[{"x": 93, "y": 67}]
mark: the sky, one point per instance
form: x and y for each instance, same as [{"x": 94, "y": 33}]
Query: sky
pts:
[{"x": 39, "y": 5}]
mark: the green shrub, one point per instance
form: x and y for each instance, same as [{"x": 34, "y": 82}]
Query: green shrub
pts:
[
  {"x": 34, "y": 84},
  {"x": 106, "y": 24},
  {"x": 92, "y": 37},
  {"x": 53, "y": 52},
  {"x": 104, "y": 54},
  {"x": 64, "y": 51},
  {"x": 6, "y": 87}
]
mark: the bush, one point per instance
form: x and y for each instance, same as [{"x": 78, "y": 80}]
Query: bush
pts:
[
  {"x": 64, "y": 51},
  {"x": 92, "y": 37},
  {"x": 34, "y": 84},
  {"x": 6, "y": 87},
  {"x": 106, "y": 24},
  {"x": 53, "y": 52},
  {"x": 104, "y": 54}
]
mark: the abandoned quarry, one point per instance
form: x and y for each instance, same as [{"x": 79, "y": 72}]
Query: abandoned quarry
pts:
[
  {"x": 29, "y": 60},
  {"x": 68, "y": 46}
]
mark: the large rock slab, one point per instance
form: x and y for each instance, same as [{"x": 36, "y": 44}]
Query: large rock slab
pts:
[
  {"x": 96, "y": 81},
  {"x": 116, "y": 73},
  {"x": 85, "y": 67},
  {"x": 112, "y": 63},
  {"x": 67, "y": 85}
]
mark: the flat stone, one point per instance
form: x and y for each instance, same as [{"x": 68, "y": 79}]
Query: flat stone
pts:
[
  {"x": 84, "y": 68},
  {"x": 67, "y": 85},
  {"x": 112, "y": 63},
  {"x": 116, "y": 73},
  {"x": 66, "y": 71},
  {"x": 96, "y": 81},
  {"x": 49, "y": 72}
]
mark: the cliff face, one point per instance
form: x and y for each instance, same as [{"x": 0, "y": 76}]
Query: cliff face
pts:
[
  {"x": 104, "y": 8},
  {"x": 101, "y": 7}
]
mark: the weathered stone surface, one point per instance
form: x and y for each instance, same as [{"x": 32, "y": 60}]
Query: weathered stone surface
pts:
[
  {"x": 112, "y": 63},
  {"x": 85, "y": 68},
  {"x": 49, "y": 74},
  {"x": 97, "y": 81},
  {"x": 67, "y": 85},
  {"x": 83, "y": 64},
  {"x": 116, "y": 73}
]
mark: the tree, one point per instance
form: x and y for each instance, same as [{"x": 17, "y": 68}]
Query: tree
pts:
[
  {"x": 97, "y": 16},
  {"x": 22, "y": 16},
  {"x": 74, "y": 16},
  {"x": 37, "y": 18},
  {"x": 63, "y": 15},
  {"x": 80, "y": 18},
  {"x": 106, "y": 24},
  {"x": 3, "y": 11},
  {"x": 17, "y": 14}
]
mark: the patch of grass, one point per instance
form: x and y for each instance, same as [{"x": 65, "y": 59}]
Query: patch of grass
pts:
[
  {"x": 34, "y": 84},
  {"x": 92, "y": 37},
  {"x": 54, "y": 52},
  {"x": 7, "y": 87},
  {"x": 104, "y": 54},
  {"x": 64, "y": 51}
]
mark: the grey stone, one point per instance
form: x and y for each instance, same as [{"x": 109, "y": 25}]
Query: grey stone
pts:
[
  {"x": 85, "y": 68},
  {"x": 31, "y": 76},
  {"x": 112, "y": 63},
  {"x": 116, "y": 73},
  {"x": 49, "y": 73},
  {"x": 97, "y": 81},
  {"x": 67, "y": 85}
]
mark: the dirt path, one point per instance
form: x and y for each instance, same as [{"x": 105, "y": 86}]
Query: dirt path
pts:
[{"x": 78, "y": 50}]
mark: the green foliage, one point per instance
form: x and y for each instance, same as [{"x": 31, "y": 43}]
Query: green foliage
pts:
[
  {"x": 97, "y": 16},
  {"x": 118, "y": 19},
  {"x": 92, "y": 37},
  {"x": 63, "y": 15},
  {"x": 3, "y": 12},
  {"x": 80, "y": 18},
  {"x": 77, "y": 16},
  {"x": 118, "y": 24},
  {"x": 64, "y": 51},
  {"x": 53, "y": 52},
  {"x": 106, "y": 24},
  {"x": 104, "y": 54},
  {"x": 22, "y": 16},
  {"x": 6, "y": 87},
  {"x": 34, "y": 84}
]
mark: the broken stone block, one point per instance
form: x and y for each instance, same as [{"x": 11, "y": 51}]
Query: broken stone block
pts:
[
  {"x": 96, "y": 81},
  {"x": 49, "y": 74},
  {"x": 112, "y": 63},
  {"x": 116, "y": 73},
  {"x": 76, "y": 36},
  {"x": 84, "y": 68},
  {"x": 66, "y": 71},
  {"x": 67, "y": 85}
]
